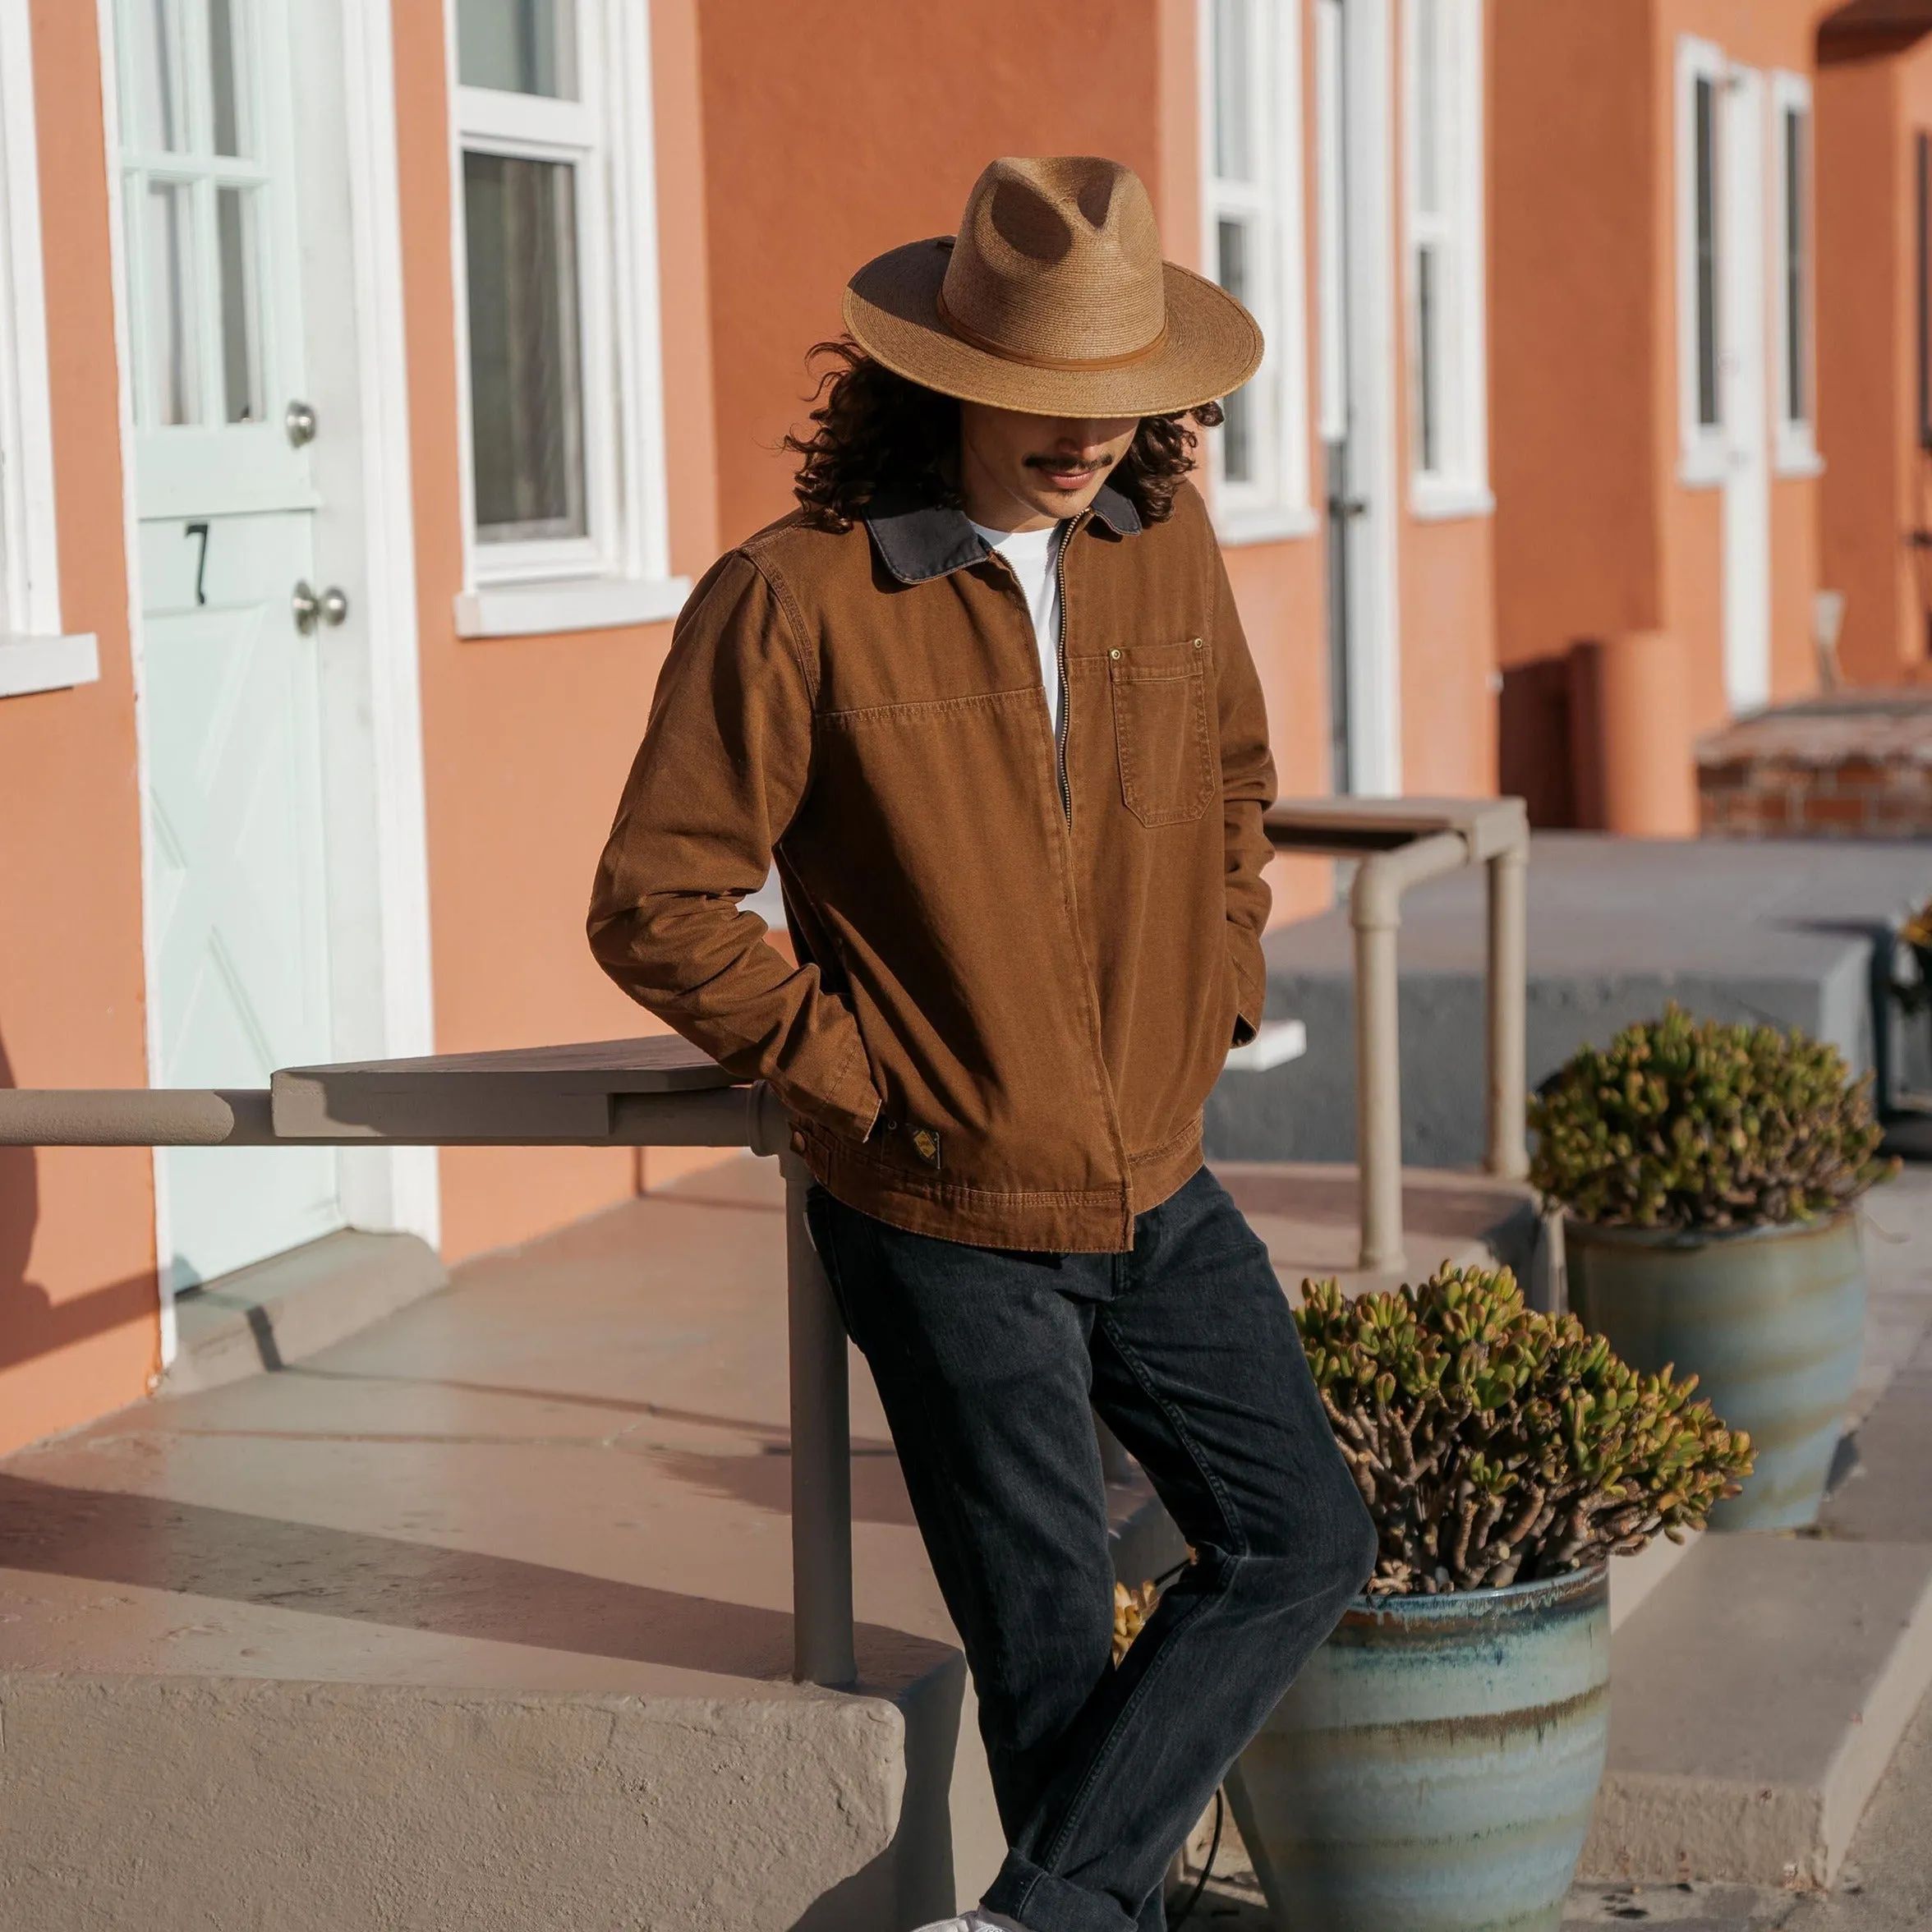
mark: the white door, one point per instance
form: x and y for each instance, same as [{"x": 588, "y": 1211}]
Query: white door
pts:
[
  {"x": 227, "y": 508},
  {"x": 1743, "y": 306}
]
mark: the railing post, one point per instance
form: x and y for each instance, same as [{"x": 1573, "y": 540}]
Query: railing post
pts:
[
  {"x": 1508, "y": 1153},
  {"x": 820, "y": 1428},
  {"x": 1378, "y": 1065}
]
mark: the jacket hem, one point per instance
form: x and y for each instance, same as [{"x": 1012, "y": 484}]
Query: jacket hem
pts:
[{"x": 1077, "y": 1220}]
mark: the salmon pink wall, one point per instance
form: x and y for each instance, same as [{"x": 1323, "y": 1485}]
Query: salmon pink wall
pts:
[
  {"x": 1877, "y": 485},
  {"x": 79, "y": 1326},
  {"x": 1574, "y": 343},
  {"x": 830, "y": 137},
  {"x": 526, "y": 740}
]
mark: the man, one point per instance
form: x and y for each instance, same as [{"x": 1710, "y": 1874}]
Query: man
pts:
[{"x": 985, "y": 701}]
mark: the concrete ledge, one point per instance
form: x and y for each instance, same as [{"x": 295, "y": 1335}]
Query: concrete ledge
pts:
[
  {"x": 334, "y": 1807},
  {"x": 294, "y": 1304},
  {"x": 1759, "y": 1694}
]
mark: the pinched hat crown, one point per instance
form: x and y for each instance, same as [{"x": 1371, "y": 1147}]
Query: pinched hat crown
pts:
[
  {"x": 1053, "y": 299},
  {"x": 1058, "y": 266}
]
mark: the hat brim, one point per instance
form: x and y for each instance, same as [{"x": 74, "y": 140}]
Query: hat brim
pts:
[{"x": 1212, "y": 345}]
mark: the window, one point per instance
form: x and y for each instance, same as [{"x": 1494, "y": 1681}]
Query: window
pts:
[
  {"x": 33, "y": 653},
  {"x": 1790, "y": 98},
  {"x": 556, "y": 240},
  {"x": 1701, "y": 76},
  {"x": 1448, "y": 386},
  {"x": 1252, "y": 234}
]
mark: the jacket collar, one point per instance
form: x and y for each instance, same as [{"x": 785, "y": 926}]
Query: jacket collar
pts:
[{"x": 920, "y": 544}]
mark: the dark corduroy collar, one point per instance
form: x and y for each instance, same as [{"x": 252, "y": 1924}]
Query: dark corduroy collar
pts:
[{"x": 919, "y": 544}]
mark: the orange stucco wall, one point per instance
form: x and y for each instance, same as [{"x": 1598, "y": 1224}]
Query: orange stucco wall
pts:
[
  {"x": 1598, "y": 539},
  {"x": 526, "y": 740},
  {"x": 78, "y": 1297},
  {"x": 1877, "y": 484}
]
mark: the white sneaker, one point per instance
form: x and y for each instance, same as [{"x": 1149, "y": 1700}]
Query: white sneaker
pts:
[{"x": 978, "y": 1920}]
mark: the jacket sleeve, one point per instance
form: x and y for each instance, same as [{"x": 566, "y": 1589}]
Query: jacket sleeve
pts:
[
  {"x": 1246, "y": 790},
  {"x": 725, "y": 762}
]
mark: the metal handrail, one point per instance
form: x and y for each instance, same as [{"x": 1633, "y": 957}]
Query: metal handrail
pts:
[
  {"x": 1399, "y": 843},
  {"x": 485, "y": 1100}
]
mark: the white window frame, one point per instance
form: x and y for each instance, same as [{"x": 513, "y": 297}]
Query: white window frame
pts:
[
  {"x": 618, "y": 573},
  {"x": 34, "y": 654},
  {"x": 1456, "y": 484},
  {"x": 1795, "y": 444},
  {"x": 1276, "y": 505},
  {"x": 1705, "y": 446}
]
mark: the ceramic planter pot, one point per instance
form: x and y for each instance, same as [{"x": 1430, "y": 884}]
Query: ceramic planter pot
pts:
[
  {"x": 1433, "y": 1766},
  {"x": 1771, "y": 1321}
]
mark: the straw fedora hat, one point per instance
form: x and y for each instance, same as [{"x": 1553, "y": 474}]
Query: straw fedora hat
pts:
[{"x": 1053, "y": 300}]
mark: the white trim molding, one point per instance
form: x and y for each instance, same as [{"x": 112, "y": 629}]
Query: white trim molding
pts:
[
  {"x": 1794, "y": 256},
  {"x": 1254, "y": 243},
  {"x": 1704, "y": 444},
  {"x": 1371, "y": 538},
  {"x": 616, "y": 570},
  {"x": 393, "y": 1189},
  {"x": 568, "y": 604},
  {"x": 35, "y": 655},
  {"x": 1446, "y": 302}
]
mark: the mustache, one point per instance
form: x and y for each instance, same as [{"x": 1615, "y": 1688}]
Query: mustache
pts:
[{"x": 1062, "y": 463}]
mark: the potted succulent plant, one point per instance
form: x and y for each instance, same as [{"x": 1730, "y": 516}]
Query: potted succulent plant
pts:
[
  {"x": 1434, "y": 1765},
  {"x": 1710, "y": 1174}
]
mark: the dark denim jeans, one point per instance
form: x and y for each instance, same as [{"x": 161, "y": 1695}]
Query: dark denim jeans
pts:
[{"x": 986, "y": 1362}]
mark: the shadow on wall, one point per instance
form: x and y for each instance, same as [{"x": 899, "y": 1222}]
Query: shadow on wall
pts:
[{"x": 32, "y": 1323}]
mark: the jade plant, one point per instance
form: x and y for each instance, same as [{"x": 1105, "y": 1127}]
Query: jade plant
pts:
[
  {"x": 1683, "y": 1124},
  {"x": 1496, "y": 1445}
]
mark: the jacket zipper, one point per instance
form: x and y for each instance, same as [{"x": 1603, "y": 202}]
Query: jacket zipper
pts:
[{"x": 1060, "y": 737}]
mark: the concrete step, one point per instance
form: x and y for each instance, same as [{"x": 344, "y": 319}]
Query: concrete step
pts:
[
  {"x": 293, "y": 1305},
  {"x": 1758, "y": 1695},
  {"x": 1794, "y": 933}
]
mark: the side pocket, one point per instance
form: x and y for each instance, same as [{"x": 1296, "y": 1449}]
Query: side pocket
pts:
[{"x": 1161, "y": 735}]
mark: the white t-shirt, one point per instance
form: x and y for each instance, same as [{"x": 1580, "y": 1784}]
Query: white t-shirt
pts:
[{"x": 1033, "y": 555}]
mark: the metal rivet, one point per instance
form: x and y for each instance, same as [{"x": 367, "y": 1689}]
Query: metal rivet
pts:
[
  {"x": 1198, "y": 644},
  {"x": 1113, "y": 654}
]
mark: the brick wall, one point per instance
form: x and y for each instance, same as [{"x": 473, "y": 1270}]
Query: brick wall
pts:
[{"x": 1848, "y": 765}]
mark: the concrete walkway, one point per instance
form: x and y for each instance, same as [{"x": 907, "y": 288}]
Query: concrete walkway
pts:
[{"x": 482, "y": 1615}]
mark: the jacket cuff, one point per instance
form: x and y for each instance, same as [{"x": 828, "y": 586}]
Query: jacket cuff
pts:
[
  {"x": 1250, "y": 982},
  {"x": 850, "y": 1106}
]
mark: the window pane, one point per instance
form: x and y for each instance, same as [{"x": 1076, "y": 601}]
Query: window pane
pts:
[
  {"x": 1428, "y": 357},
  {"x": 156, "y": 96},
  {"x": 1709, "y": 411},
  {"x": 167, "y": 257},
  {"x": 518, "y": 46},
  {"x": 224, "y": 77},
  {"x": 240, "y": 333},
  {"x": 1234, "y": 137},
  {"x": 1797, "y": 401},
  {"x": 526, "y": 394},
  {"x": 1234, "y": 269}
]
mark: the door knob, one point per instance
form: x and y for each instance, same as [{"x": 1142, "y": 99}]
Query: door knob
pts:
[
  {"x": 299, "y": 420},
  {"x": 313, "y": 607}
]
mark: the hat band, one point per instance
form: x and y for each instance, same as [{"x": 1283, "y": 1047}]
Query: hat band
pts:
[{"x": 1070, "y": 363}]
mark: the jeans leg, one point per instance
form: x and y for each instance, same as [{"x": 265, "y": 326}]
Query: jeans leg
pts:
[
  {"x": 980, "y": 1360},
  {"x": 1198, "y": 1369}
]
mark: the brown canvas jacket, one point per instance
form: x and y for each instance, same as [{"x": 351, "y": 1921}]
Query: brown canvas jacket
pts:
[{"x": 1014, "y": 987}]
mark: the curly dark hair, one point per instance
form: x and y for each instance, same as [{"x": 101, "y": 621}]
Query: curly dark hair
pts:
[{"x": 882, "y": 439}]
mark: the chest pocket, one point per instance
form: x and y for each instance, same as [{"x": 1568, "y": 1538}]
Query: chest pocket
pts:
[{"x": 1166, "y": 754}]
